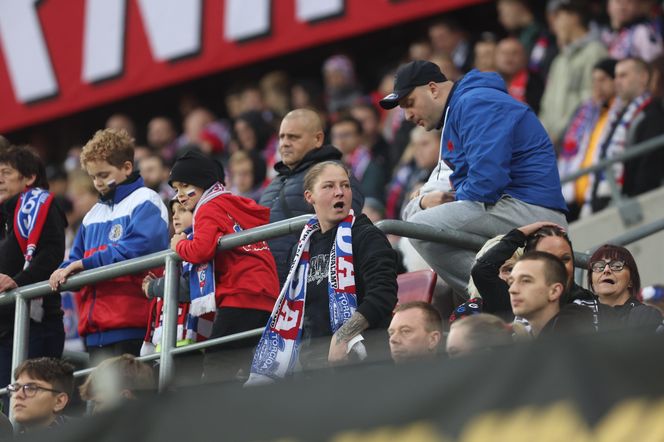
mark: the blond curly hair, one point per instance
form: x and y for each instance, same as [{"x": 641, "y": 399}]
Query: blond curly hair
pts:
[{"x": 114, "y": 146}]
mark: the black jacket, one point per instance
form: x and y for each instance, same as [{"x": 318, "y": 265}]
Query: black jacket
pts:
[
  {"x": 495, "y": 291},
  {"x": 635, "y": 315},
  {"x": 375, "y": 266},
  {"x": 646, "y": 172},
  {"x": 285, "y": 199},
  {"x": 572, "y": 320},
  {"x": 48, "y": 256}
]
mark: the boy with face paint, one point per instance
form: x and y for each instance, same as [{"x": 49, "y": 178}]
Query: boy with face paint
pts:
[
  {"x": 129, "y": 221},
  {"x": 240, "y": 284}
]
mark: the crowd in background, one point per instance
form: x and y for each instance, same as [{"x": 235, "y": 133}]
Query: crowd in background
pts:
[{"x": 594, "y": 76}]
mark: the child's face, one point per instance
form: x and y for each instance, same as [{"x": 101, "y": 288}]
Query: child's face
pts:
[
  {"x": 105, "y": 176},
  {"x": 182, "y": 218},
  {"x": 188, "y": 194},
  {"x": 242, "y": 176},
  {"x": 39, "y": 406}
]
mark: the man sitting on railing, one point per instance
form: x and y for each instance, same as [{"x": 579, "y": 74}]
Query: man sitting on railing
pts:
[
  {"x": 503, "y": 165},
  {"x": 29, "y": 252},
  {"x": 129, "y": 221}
]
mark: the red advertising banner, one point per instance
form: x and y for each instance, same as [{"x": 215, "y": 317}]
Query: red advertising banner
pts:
[{"x": 58, "y": 57}]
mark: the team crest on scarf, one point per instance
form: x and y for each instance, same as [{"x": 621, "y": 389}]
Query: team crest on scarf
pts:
[
  {"x": 29, "y": 218},
  {"x": 277, "y": 352}
]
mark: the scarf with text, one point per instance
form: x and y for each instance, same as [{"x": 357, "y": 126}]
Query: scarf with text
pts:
[
  {"x": 201, "y": 276},
  {"x": 277, "y": 352},
  {"x": 29, "y": 218}
]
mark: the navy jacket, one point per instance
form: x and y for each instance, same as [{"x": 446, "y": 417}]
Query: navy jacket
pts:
[
  {"x": 285, "y": 199},
  {"x": 495, "y": 145}
]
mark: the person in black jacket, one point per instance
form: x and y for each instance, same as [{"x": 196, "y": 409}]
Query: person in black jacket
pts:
[
  {"x": 614, "y": 278},
  {"x": 540, "y": 236},
  {"x": 343, "y": 281},
  {"x": 537, "y": 288},
  {"x": 22, "y": 176},
  {"x": 300, "y": 146}
]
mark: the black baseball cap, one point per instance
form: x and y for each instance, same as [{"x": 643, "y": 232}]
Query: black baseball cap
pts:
[{"x": 408, "y": 77}]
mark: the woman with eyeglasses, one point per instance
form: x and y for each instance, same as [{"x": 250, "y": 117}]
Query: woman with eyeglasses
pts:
[{"x": 614, "y": 277}]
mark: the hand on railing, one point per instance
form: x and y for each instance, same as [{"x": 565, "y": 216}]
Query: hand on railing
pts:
[
  {"x": 176, "y": 239},
  {"x": 60, "y": 276},
  {"x": 145, "y": 286},
  {"x": 6, "y": 283}
]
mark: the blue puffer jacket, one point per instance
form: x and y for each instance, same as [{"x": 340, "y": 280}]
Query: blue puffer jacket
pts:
[
  {"x": 292, "y": 183},
  {"x": 496, "y": 145}
]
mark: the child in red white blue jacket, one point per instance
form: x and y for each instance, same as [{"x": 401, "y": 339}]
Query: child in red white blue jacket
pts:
[{"x": 129, "y": 221}]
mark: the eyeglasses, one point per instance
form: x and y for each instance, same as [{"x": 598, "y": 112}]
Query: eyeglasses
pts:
[
  {"x": 29, "y": 390},
  {"x": 615, "y": 266}
]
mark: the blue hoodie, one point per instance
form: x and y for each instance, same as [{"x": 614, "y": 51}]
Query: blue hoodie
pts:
[{"x": 495, "y": 145}]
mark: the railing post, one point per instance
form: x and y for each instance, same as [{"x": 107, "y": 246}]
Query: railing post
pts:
[
  {"x": 21, "y": 335},
  {"x": 168, "y": 338}
]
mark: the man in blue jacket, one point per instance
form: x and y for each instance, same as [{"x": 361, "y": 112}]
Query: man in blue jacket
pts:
[{"x": 503, "y": 166}]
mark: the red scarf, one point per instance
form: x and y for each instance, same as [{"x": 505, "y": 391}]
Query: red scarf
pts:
[{"x": 29, "y": 218}]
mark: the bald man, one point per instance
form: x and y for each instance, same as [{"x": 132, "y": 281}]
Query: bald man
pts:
[{"x": 300, "y": 146}]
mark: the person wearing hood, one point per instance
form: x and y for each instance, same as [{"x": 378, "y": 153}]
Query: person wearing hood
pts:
[
  {"x": 239, "y": 284},
  {"x": 497, "y": 167},
  {"x": 300, "y": 146}
]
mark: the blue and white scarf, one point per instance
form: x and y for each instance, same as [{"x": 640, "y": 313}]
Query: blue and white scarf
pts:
[
  {"x": 277, "y": 352},
  {"x": 201, "y": 276},
  {"x": 29, "y": 219}
]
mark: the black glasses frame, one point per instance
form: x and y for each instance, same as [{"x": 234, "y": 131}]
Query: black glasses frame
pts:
[
  {"x": 29, "y": 390},
  {"x": 615, "y": 265}
]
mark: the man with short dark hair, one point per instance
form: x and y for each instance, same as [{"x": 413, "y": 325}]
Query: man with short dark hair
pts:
[
  {"x": 632, "y": 76},
  {"x": 503, "y": 166},
  {"x": 415, "y": 331},
  {"x": 42, "y": 390},
  {"x": 300, "y": 146},
  {"x": 537, "y": 292}
]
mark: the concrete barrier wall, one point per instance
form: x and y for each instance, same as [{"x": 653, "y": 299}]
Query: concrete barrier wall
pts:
[{"x": 648, "y": 252}]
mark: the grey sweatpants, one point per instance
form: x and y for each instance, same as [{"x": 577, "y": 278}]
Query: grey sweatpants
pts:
[{"x": 454, "y": 264}]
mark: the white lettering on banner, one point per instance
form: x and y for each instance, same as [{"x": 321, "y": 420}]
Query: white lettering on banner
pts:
[
  {"x": 244, "y": 19},
  {"x": 25, "y": 51},
  {"x": 174, "y": 27},
  {"x": 346, "y": 275},
  {"x": 344, "y": 245},
  {"x": 103, "y": 39},
  {"x": 287, "y": 319},
  {"x": 308, "y": 10}
]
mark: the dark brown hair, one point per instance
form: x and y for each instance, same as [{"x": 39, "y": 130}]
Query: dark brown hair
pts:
[
  {"x": 56, "y": 372},
  {"x": 610, "y": 251},
  {"x": 27, "y": 162}
]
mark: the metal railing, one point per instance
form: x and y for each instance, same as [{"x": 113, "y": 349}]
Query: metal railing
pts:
[
  {"x": 629, "y": 209},
  {"x": 22, "y": 295}
]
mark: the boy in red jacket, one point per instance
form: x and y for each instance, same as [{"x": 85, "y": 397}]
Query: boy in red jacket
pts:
[{"x": 241, "y": 283}]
